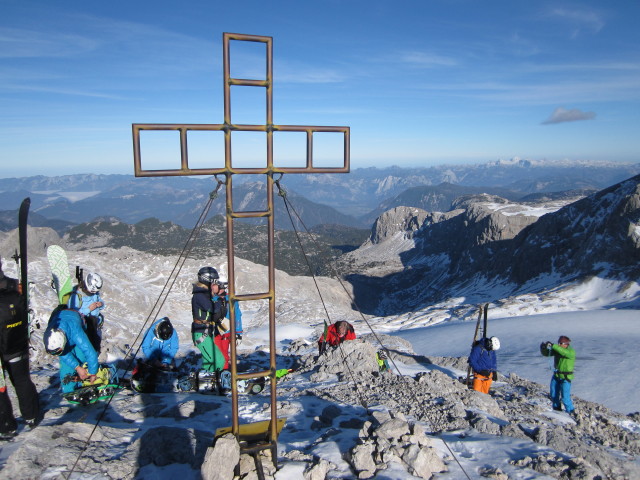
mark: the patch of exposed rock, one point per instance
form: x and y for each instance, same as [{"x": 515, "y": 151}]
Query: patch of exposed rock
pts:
[{"x": 594, "y": 446}]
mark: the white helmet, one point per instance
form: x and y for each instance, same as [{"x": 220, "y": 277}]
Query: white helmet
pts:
[
  {"x": 494, "y": 343},
  {"x": 93, "y": 282},
  {"x": 55, "y": 341}
]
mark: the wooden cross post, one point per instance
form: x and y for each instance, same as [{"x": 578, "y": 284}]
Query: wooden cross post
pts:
[{"x": 228, "y": 128}]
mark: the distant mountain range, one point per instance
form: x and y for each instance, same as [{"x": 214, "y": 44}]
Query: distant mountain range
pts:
[
  {"x": 355, "y": 199},
  {"x": 482, "y": 245},
  {"x": 322, "y": 245}
]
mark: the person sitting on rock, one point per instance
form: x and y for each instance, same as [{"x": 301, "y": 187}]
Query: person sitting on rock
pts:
[
  {"x": 160, "y": 344},
  {"x": 484, "y": 363},
  {"x": 335, "y": 334}
]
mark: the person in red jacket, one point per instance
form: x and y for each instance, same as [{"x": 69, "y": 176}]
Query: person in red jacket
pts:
[{"x": 335, "y": 334}]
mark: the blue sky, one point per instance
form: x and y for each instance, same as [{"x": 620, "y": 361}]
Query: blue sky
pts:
[{"x": 419, "y": 82}]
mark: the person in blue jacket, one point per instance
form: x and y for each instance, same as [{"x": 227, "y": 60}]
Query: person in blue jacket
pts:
[
  {"x": 484, "y": 363},
  {"x": 85, "y": 298},
  {"x": 65, "y": 337},
  {"x": 160, "y": 344}
]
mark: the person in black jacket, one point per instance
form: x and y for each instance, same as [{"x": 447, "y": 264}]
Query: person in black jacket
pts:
[
  {"x": 208, "y": 311},
  {"x": 14, "y": 357}
]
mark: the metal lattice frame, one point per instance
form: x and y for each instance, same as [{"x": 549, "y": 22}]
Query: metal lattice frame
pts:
[{"x": 229, "y": 170}]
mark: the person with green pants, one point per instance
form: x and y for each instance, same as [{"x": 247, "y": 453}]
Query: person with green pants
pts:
[{"x": 208, "y": 316}]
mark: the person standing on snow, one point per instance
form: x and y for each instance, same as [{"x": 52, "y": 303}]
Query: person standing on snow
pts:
[
  {"x": 209, "y": 307},
  {"x": 335, "y": 334},
  {"x": 484, "y": 363},
  {"x": 65, "y": 338},
  {"x": 85, "y": 299},
  {"x": 564, "y": 357},
  {"x": 14, "y": 359}
]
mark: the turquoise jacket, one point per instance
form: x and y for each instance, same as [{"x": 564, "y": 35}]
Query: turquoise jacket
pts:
[{"x": 78, "y": 349}]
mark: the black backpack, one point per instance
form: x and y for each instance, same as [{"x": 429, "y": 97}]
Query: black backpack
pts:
[{"x": 14, "y": 327}]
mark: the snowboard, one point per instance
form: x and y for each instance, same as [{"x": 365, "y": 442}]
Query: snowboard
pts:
[
  {"x": 161, "y": 382},
  {"x": 206, "y": 383},
  {"x": 92, "y": 394},
  {"x": 61, "y": 278},
  {"x": 107, "y": 386},
  {"x": 146, "y": 379}
]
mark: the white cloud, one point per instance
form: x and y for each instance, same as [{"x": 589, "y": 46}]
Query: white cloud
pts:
[
  {"x": 579, "y": 20},
  {"x": 23, "y": 43},
  {"x": 560, "y": 115}
]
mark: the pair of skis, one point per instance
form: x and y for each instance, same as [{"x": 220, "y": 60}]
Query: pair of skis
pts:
[
  {"x": 21, "y": 259},
  {"x": 482, "y": 313}
]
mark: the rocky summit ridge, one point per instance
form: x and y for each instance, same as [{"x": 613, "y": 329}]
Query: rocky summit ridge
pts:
[{"x": 425, "y": 257}]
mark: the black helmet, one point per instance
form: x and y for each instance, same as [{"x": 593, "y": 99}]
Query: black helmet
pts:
[
  {"x": 164, "y": 329},
  {"x": 207, "y": 275}
]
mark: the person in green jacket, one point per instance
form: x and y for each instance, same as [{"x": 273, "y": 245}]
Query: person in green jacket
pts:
[{"x": 564, "y": 357}]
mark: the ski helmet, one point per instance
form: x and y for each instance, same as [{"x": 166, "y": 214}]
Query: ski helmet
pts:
[
  {"x": 164, "y": 329},
  {"x": 93, "y": 282},
  {"x": 494, "y": 343},
  {"x": 55, "y": 341},
  {"x": 207, "y": 275}
]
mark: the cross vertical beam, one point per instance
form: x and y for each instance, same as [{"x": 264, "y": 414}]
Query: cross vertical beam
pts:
[{"x": 229, "y": 170}]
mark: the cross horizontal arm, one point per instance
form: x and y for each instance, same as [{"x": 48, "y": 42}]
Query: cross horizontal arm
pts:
[{"x": 228, "y": 129}]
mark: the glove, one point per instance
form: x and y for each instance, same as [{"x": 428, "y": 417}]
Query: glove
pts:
[
  {"x": 238, "y": 339},
  {"x": 494, "y": 376},
  {"x": 548, "y": 345}
]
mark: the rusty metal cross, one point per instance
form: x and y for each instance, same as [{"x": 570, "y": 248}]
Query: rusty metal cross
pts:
[{"x": 228, "y": 171}]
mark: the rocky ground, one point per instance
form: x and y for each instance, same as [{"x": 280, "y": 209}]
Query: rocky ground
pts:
[
  {"x": 594, "y": 446},
  {"x": 383, "y": 422}
]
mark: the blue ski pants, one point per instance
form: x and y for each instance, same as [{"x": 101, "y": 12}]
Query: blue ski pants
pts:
[{"x": 560, "y": 391}]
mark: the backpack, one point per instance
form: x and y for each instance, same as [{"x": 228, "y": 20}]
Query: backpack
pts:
[
  {"x": 76, "y": 295},
  {"x": 14, "y": 326}
]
